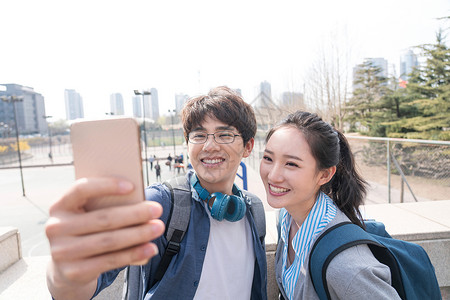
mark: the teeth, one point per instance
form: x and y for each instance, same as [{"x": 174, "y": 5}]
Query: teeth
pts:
[
  {"x": 212, "y": 161},
  {"x": 277, "y": 189}
]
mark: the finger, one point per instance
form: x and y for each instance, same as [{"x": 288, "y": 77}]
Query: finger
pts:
[
  {"x": 104, "y": 242},
  {"x": 88, "y": 269},
  {"x": 104, "y": 219},
  {"x": 87, "y": 188}
]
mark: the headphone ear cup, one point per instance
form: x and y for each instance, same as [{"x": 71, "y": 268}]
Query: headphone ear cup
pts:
[
  {"x": 236, "y": 209},
  {"x": 220, "y": 205}
]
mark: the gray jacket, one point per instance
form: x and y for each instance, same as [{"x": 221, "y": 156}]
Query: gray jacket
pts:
[{"x": 353, "y": 274}]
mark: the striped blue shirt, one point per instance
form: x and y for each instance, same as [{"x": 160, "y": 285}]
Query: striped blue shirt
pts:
[{"x": 320, "y": 215}]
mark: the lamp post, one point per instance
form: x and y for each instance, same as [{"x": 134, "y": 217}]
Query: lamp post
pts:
[
  {"x": 50, "y": 152},
  {"x": 143, "y": 93},
  {"x": 13, "y": 99},
  {"x": 173, "y": 131}
]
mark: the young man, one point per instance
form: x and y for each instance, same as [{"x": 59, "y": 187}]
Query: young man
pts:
[{"x": 221, "y": 255}]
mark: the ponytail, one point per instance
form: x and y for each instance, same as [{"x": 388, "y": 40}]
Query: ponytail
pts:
[{"x": 347, "y": 188}]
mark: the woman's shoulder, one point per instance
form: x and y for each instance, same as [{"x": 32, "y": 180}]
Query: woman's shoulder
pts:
[
  {"x": 355, "y": 272},
  {"x": 353, "y": 259}
]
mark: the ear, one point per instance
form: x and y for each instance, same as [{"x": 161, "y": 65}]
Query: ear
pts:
[
  {"x": 326, "y": 175},
  {"x": 248, "y": 147}
]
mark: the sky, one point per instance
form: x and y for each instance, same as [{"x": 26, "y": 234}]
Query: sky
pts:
[{"x": 102, "y": 47}]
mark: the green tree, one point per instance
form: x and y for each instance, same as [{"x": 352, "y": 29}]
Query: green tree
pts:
[
  {"x": 367, "y": 107},
  {"x": 424, "y": 106}
]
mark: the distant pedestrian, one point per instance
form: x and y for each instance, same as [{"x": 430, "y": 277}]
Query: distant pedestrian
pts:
[
  {"x": 169, "y": 162},
  {"x": 151, "y": 159},
  {"x": 179, "y": 164},
  {"x": 158, "y": 171}
]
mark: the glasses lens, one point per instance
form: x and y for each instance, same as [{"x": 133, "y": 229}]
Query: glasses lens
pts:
[
  {"x": 197, "y": 137},
  {"x": 224, "y": 137}
]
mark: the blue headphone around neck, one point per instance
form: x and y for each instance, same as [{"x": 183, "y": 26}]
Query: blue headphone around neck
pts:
[{"x": 229, "y": 207}]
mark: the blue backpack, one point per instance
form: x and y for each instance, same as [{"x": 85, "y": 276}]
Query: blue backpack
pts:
[{"x": 412, "y": 273}]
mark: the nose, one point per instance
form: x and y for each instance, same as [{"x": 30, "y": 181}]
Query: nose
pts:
[
  {"x": 275, "y": 173},
  {"x": 210, "y": 144}
]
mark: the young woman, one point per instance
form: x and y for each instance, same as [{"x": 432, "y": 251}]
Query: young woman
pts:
[{"x": 309, "y": 172}]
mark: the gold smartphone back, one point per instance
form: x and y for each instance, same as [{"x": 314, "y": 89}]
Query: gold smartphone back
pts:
[{"x": 109, "y": 148}]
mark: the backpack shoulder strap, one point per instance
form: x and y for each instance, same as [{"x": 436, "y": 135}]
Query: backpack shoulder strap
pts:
[
  {"x": 257, "y": 211},
  {"x": 332, "y": 242},
  {"x": 180, "y": 197},
  {"x": 177, "y": 223}
]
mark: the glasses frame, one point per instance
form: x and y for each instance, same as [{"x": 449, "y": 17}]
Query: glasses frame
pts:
[{"x": 214, "y": 137}]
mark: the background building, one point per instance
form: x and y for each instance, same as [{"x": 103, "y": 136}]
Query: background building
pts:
[
  {"x": 116, "y": 104},
  {"x": 154, "y": 105},
  {"x": 137, "y": 106},
  {"x": 408, "y": 61},
  {"x": 265, "y": 88},
  {"x": 30, "y": 111},
  {"x": 180, "y": 100},
  {"x": 74, "y": 105},
  {"x": 264, "y": 95},
  {"x": 147, "y": 108},
  {"x": 378, "y": 62}
]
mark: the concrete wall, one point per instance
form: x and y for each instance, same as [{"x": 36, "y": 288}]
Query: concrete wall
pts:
[{"x": 10, "y": 250}]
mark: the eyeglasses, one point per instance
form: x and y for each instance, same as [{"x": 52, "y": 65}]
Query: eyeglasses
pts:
[{"x": 221, "y": 137}]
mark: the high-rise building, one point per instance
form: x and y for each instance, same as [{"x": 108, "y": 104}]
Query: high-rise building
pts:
[
  {"x": 380, "y": 63},
  {"x": 137, "y": 106},
  {"x": 154, "y": 104},
  {"x": 267, "y": 112},
  {"x": 266, "y": 89},
  {"x": 30, "y": 111},
  {"x": 116, "y": 104},
  {"x": 264, "y": 95},
  {"x": 147, "y": 109},
  {"x": 180, "y": 100},
  {"x": 408, "y": 61},
  {"x": 74, "y": 105}
]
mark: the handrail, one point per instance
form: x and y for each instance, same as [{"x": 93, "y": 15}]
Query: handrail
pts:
[
  {"x": 390, "y": 156},
  {"x": 397, "y": 166},
  {"x": 398, "y": 140}
]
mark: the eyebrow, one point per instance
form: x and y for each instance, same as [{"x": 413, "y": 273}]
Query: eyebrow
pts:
[
  {"x": 285, "y": 155},
  {"x": 200, "y": 128}
]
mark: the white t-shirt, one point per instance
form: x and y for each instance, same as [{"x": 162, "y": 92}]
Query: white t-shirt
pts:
[{"x": 229, "y": 262}]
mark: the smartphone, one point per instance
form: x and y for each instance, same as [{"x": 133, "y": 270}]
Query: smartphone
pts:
[{"x": 109, "y": 148}]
